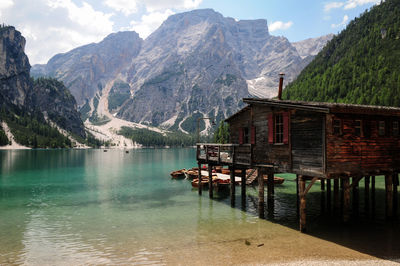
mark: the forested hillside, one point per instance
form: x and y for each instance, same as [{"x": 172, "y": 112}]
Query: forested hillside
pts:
[{"x": 360, "y": 65}]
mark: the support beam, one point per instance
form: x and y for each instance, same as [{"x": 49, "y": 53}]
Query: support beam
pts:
[
  {"x": 243, "y": 187},
  {"x": 346, "y": 199},
  {"x": 389, "y": 195},
  {"x": 199, "y": 177},
  {"x": 395, "y": 194},
  {"x": 232, "y": 185},
  {"x": 373, "y": 195},
  {"x": 297, "y": 194},
  {"x": 366, "y": 194},
  {"x": 270, "y": 186},
  {"x": 260, "y": 177},
  {"x": 210, "y": 181},
  {"x": 302, "y": 195},
  {"x": 328, "y": 195},
  {"x": 354, "y": 185},
  {"x": 322, "y": 184},
  {"x": 336, "y": 195}
]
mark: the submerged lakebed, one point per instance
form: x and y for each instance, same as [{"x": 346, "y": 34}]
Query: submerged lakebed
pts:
[{"x": 68, "y": 207}]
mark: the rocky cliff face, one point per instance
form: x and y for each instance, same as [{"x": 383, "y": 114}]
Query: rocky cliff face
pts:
[
  {"x": 18, "y": 90},
  {"x": 56, "y": 102},
  {"x": 312, "y": 46},
  {"x": 197, "y": 63},
  {"x": 14, "y": 68},
  {"x": 85, "y": 70}
]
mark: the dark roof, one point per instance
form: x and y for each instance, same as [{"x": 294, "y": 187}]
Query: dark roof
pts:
[
  {"x": 238, "y": 113},
  {"x": 324, "y": 107}
]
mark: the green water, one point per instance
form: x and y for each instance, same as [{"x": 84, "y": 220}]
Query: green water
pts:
[{"x": 93, "y": 207}]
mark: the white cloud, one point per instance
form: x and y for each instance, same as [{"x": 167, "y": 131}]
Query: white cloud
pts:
[
  {"x": 279, "y": 25},
  {"x": 341, "y": 24},
  {"x": 333, "y": 5},
  {"x": 5, "y": 4},
  {"x": 157, "y": 5},
  {"x": 51, "y": 27},
  {"x": 127, "y": 7},
  {"x": 349, "y": 4},
  {"x": 355, "y": 3},
  {"x": 150, "y": 22}
]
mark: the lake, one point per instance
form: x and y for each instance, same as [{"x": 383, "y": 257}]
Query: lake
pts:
[{"x": 71, "y": 207}]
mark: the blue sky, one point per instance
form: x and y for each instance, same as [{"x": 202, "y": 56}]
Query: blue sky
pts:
[{"x": 56, "y": 26}]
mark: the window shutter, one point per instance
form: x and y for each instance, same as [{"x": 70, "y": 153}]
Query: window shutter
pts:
[
  {"x": 285, "y": 117},
  {"x": 241, "y": 133},
  {"x": 253, "y": 135},
  {"x": 270, "y": 128}
]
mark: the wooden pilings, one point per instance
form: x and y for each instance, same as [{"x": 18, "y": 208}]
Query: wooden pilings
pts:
[
  {"x": 270, "y": 186},
  {"x": 336, "y": 195},
  {"x": 260, "y": 177},
  {"x": 199, "y": 176},
  {"x": 243, "y": 187},
  {"x": 328, "y": 194},
  {"x": 210, "y": 181},
  {"x": 355, "y": 181},
  {"x": 302, "y": 207},
  {"x": 232, "y": 185},
  {"x": 395, "y": 194},
  {"x": 366, "y": 194},
  {"x": 389, "y": 195},
  {"x": 346, "y": 199}
]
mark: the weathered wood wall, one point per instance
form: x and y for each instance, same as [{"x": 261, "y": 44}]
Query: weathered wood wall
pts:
[
  {"x": 365, "y": 154},
  {"x": 307, "y": 141}
]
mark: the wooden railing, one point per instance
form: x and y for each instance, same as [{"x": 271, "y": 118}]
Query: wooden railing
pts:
[{"x": 224, "y": 153}]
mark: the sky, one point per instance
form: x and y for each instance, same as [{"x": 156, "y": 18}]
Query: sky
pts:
[{"x": 57, "y": 26}]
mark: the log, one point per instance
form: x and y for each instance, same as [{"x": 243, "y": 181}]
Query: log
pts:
[
  {"x": 355, "y": 196},
  {"x": 336, "y": 195}
]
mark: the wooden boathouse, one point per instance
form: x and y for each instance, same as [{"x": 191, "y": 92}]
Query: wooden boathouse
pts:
[{"x": 342, "y": 143}]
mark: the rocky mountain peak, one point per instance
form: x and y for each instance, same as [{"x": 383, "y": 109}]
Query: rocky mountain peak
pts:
[{"x": 14, "y": 66}]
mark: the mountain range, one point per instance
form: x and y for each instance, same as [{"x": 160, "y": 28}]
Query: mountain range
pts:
[{"x": 196, "y": 64}]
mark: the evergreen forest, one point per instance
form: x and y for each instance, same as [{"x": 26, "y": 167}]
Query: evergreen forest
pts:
[{"x": 360, "y": 65}]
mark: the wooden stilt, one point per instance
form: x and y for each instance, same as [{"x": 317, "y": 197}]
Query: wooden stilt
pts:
[
  {"x": 355, "y": 196},
  {"x": 210, "y": 181},
  {"x": 232, "y": 185},
  {"x": 328, "y": 194},
  {"x": 302, "y": 196},
  {"x": 322, "y": 184},
  {"x": 322, "y": 195},
  {"x": 366, "y": 194},
  {"x": 270, "y": 186},
  {"x": 395, "y": 194},
  {"x": 373, "y": 195},
  {"x": 260, "y": 177},
  {"x": 243, "y": 187},
  {"x": 346, "y": 199},
  {"x": 389, "y": 195},
  {"x": 336, "y": 195},
  {"x": 199, "y": 177},
  {"x": 297, "y": 194},
  {"x": 341, "y": 194}
]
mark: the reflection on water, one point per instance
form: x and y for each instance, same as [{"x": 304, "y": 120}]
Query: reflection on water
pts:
[{"x": 90, "y": 207}]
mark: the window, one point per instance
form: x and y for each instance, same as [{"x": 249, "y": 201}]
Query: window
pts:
[
  {"x": 395, "y": 128},
  {"x": 358, "y": 128},
  {"x": 337, "y": 127},
  {"x": 381, "y": 129},
  {"x": 278, "y": 128},
  {"x": 246, "y": 135}
]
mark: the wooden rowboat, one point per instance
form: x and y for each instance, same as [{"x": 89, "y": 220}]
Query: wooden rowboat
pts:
[{"x": 178, "y": 174}]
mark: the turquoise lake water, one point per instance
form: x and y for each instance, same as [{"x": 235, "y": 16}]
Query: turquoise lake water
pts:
[{"x": 93, "y": 207}]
